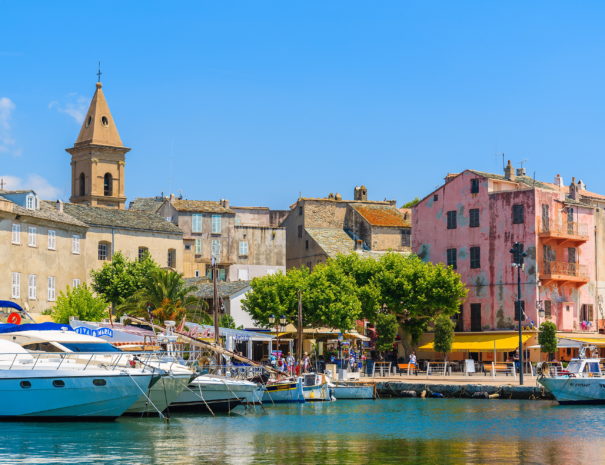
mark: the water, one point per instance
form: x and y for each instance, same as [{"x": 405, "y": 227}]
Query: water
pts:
[{"x": 401, "y": 431}]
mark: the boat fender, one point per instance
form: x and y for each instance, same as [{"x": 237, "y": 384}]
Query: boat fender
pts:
[
  {"x": 14, "y": 318},
  {"x": 494, "y": 396},
  {"x": 437, "y": 395},
  {"x": 480, "y": 395},
  {"x": 423, "y": 394}
]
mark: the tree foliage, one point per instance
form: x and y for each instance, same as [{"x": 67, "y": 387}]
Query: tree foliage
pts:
[
  {"x": 386, "y": 329},
  {"x": 78, "y": 302},
  {"x": 120, "y": 278},
  {"x": 444, "y": 334},
  {"x": 547, "y": 337},
  {"x": 411, "y": 203}
]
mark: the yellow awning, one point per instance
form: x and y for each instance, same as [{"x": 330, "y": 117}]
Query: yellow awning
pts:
[
  {"x": 600, "y": 342},
  {"x": 483, "y": 342}
]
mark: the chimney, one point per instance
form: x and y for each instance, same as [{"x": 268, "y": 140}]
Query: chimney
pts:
[
  {"x": 338, "y": 196},
  {"x": 559, "y": 180},
  {"x": 360, "y": 193},
  {"x": 581, "y": 185},
  {"x": 171, "y": 198},
  {"x": 521, "y": 171},
  {"x": 224, "y": 203},
  {"x": 359, "y": 245},
  {"x": 450, "y": 176},
  {"x": 509, "y": 172},
  {"x": 59, "y": 206},
  {"x": 573, "y": 190}
]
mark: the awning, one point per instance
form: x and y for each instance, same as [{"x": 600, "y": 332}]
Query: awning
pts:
[
  {"x": 599, "y": 342},
  {"x": 483, "y": 342},
  {"x": 562, "y": 344}
]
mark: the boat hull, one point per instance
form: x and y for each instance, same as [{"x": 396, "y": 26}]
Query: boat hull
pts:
[
  {"x": 576, "y": 390},
  {"x": 210, "y": 393},
  {"x": 354, "y": 392},
  {"x": 284, "y": 392},
  {"x": 317, "y": 392},
  {"x": 162, "y": 394}
]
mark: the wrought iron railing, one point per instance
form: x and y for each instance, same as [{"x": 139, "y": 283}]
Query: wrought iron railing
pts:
[
  {"x": 564, "y": 229},
  {"x": 565, "y": 269}
]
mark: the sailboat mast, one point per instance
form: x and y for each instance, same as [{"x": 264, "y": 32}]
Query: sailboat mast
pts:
[
  {"x": 299, "y": 345},
  {"x": 215, "y": 310}
]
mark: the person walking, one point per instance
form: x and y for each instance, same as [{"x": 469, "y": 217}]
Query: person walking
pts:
[
  {"x": 290, "y": 363},
  {"x": 306, "y": 363}
]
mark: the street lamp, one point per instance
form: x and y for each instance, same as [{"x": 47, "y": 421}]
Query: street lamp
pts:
[
  {"x": 518, "y": 259},
  {"x": 541, "y": 311}
]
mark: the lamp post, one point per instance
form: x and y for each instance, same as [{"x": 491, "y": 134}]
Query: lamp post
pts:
[
  {"x": 518, "y": 259},
  {"x": 278, "y": 325}
]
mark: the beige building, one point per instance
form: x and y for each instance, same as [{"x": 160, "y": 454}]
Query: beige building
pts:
[
  {"x": 320, "y": 228},
  {"x": 42, "y": 250}
]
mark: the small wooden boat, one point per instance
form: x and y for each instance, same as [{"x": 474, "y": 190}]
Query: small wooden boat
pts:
[
  {"x": 354, "y": 391},
  {"x": 288, "y": 391},
  {"x": 316, "y": 387}
]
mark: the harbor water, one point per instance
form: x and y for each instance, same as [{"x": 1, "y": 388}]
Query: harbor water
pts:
[{"x": 401, "y": 431}]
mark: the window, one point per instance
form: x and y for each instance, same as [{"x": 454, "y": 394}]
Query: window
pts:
[
  {"x": 300, "y": 230},
  {"x": 52, "y": 240},
  {"x": 143, "y": 251},
  {"x": 103, "y": 250},
  {"x": 548, "y": 308},
  {"x": 451, "y": 219},
  {"x": 307, "y": 244},
  {"x": 16, "y": 285},
  {"x": 172, "y": 258},
  {"x": 474, "y": 186},
  {"x": 475, "y": 317},
  {"x": 16, "y": 233},
  {"x": 32, "y": 236},
  {"x": 196, "y": 273},
  {"x": 108, "y": 184},
  {"x": 518, "y": 214},
  {"x": 75, "y": 283},
  {"x": 473, "y": 218},
  {"x": 196, "y": 223},
  {"x": 216, "y": 249},
  {"x": 187, "y": 246},
  {"x": 104, "y": 121},
  {"x": 99, "y": 382},
  {"x": 198, "y": 246},
  {"x": 82, "y": 184},
  {"x": 300, "y": 210},
  {"x": 243, "y": 248},
  {"x": 435, "y": 198},
  {"x": 570, "y": 223},
  {"x": 75, "y": 244},
  {"x": 51, "y": 289},
  {"x": 586, "y": 312},
  {"x": 460, "y": 319},
  {"x": 31, "y": 202},
  {"x": 242, "y": 275},
  {"x": 406, "y": 237},
  {"x": 475, "y": 257},
  {"x": 31, "y": 286},
  {"x": 25, "y": 384},
  {"x": 545, "y": 217},
  {"x": 216, "y": 224},
  {"x": 452, "y": 257},
  {"x": 58, "y": 383}
]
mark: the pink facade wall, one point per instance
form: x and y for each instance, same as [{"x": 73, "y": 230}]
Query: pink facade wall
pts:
[{"x": 494, "y": 284}]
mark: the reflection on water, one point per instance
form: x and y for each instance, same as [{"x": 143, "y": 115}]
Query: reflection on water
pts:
[{"x": 402, "y": 431}]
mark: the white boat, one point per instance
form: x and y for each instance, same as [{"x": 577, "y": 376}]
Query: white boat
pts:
[
  {"x": 43, "y": 387},
  {"x": 285, "y": 391},
  {"x": 216, "y": 394},
  {"x": 354, "y": 391},
  {"x": 94, "y": 350},
  {"x": 316, "y": 387},
  {"x": 581, "y": 382}
]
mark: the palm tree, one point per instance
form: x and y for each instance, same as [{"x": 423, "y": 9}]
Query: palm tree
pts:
[{"x": 166, "y": 296}]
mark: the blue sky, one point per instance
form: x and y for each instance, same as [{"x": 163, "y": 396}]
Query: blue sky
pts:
[{"x": 258, "y": 101}]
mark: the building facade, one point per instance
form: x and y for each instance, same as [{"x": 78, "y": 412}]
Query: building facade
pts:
[
  {"x": 470, "y": 224},
  {"x": 320, "y": 228}
]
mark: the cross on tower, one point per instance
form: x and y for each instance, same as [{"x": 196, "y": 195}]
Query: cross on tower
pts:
[{"x": 99, "y": 72}]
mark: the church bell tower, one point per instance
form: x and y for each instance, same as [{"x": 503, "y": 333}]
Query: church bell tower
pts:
[{"x": 98, "y": 158}]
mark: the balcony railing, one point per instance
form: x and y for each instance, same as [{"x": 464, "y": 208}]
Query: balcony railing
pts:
[
  {"x": 564, "y": 271},
  {"x": 564, "y": 232}
]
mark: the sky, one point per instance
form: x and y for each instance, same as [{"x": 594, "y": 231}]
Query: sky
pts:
[{"x": 261, "y": 101}]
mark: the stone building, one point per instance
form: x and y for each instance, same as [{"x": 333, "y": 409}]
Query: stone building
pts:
[
  {"x": 245, "y": 241},
  {"x": 471, "y": 222},
  {"x": 42, "y": 250},
  {"x": 319, "y": 228}
]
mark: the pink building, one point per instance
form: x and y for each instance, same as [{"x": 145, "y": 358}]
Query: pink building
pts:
[{"x": 471, "y": 222}]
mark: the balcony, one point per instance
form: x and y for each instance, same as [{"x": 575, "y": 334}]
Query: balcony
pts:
[
  {"x": 562, "y": 273},
  {"x": 565, "y": 234}
]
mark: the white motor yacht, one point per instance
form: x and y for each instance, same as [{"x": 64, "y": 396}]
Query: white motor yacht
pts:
[{"x": 42, "y": 386}]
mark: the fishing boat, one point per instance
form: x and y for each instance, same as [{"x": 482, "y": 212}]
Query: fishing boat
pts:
[
  {"x": 581, "y": 382},
  {"x": 284, "y": 391},
  {"x": 44, "y": 386},
  {"x": 216, "y": 394},
  {"x": 316, "y": 387},
  {"x": 354, "y": 391}
]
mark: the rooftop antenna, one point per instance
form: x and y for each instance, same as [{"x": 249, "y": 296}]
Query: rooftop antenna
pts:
[
  {"x": 1, "y": 184},
  {"x": 99, "y": 73},
  {"x": 503, "y": 164},
  {"x": 522, "y": 162}
]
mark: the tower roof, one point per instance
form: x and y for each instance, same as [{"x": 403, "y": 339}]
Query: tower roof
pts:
[{"x": 98, "y": 127}]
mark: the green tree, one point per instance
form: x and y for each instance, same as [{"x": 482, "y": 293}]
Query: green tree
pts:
[
  {"x": 547, "y": 338},
  {"x": 226, "y": 321},
  {"x": 386, "y": 329},
  {"x": 444, "y": 335},
  {"x": 166, "y": 296},
  {"x": 78, "y": 302},
  {"x": 411, "y": 203},
  {"x": 120, "y": 278}
]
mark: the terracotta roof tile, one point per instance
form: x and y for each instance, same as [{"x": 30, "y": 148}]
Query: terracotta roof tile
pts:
[
  {"x": 206, "y": 206},
  {"x": 383, "y": 216}
]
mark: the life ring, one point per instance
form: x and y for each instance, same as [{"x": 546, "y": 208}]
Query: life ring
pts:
[{"x": 14, "y": 318}]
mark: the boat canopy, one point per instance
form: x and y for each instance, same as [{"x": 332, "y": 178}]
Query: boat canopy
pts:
[
  {"x": 483, "y": 342},
  {"x": 9, "y": 304},
  {"x": 11, "y": 328}
]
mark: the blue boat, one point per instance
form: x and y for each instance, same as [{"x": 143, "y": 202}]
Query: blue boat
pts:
[{"x": 279, "y": 392}]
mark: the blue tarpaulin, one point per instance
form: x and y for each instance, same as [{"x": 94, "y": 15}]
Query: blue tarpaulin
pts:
[
  {"x": 10, "y": 328},
  {"x": 9, "y": 304}
]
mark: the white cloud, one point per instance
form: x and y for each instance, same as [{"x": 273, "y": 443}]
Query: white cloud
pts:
[
  {"x": 73, "y": 105},
  {"x": 7, "y": 142},
  {"x": 35, "y": 182}
]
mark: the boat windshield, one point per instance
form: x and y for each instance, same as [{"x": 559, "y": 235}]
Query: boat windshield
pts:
[
  {"x": 90, "y": 347},
  {"x": 574, "y": 366}
]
